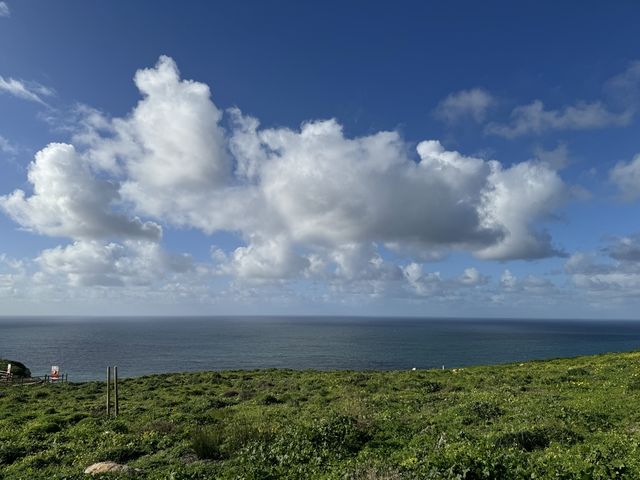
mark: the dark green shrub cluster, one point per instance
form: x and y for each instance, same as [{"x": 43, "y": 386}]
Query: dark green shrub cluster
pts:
[
  {"x": 17, "y": 369},
  {"x": 269, "y": 400},
  {"x": 10, "y": 452},
  {"x": 432, "y": 387},
  {"x": 207, "y": 443},
  {"x": 573, "y": 374},
  {"x": 481, "y": 411},
  {"x": 537, "y": 438},
  {"x": 341, "y": 434}
]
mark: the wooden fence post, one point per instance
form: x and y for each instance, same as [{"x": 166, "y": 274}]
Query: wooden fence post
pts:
[
  {"x": 115, "y": 389},
  {"x": 108, "y": 389}
]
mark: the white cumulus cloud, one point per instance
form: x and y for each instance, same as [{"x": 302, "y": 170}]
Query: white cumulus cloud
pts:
[
  {"x": 68, "y": 201},
  {"x": 516, "y": 198},
  {"x": 329, "y": 190},
  {"x": 170, "y": 151},
  {"x": 266, "y": 259},
  {"x": 307, "y": 202},
  {"x": 93, "y": 263},
  {"x": 4, "y": 10}
]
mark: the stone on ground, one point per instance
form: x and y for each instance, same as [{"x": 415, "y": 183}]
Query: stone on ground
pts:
[{"x": 104, "y": 467}]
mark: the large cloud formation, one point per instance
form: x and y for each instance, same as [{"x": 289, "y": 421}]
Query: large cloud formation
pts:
[
  {"x": 302, "y": 200},
  {"x": 68, "y": 201}
]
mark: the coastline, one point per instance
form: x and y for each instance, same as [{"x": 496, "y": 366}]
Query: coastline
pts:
[{"x": 146, "y": 346}]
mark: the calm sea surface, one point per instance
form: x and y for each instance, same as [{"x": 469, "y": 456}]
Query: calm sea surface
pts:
[{"x": 84, "y": 347}]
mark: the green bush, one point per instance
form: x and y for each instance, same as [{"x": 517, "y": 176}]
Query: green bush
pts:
[
  {"x": 207, "y": 443},
  {"x": 44, "y": 426},
  {"x": 269, "y": 400},
  {"x": 341, "y": 434},
  {"x": 17, "y": 369},
  {"x": 481, "y": 411},
  {"x": 10, "y": 452},
  {"x": 121, "y": 453},
  {"x": 573, "y": 374},
  {"x": 240, "y": 431},
  {"x": 160, "y": 426},
  {"x": 528, "y": 440},
  {"x": 432, "y": 387}
]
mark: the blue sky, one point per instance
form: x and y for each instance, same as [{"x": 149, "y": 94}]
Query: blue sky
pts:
[{"x": 355, "y": 157}]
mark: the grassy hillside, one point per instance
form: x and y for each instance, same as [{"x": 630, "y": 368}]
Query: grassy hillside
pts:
[{"x": 567, "y": 418}]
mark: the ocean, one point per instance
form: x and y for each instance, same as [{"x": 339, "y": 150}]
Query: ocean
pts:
[{"x": 84, "y": 347}]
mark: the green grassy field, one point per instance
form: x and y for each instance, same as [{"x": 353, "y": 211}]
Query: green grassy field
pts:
[{"x": 566, "y": 418}]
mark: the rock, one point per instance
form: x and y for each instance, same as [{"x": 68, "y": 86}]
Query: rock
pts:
[
  {"x": 189, "y": 458},
  {"x": 104, "y": 467}
]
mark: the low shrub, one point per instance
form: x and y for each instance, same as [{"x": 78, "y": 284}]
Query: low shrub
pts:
[
  {"x": 10, "y": 452},
  {"x": 537, "y": 438},
  {"x": 342, "y": 435},
  {"x": 432, "y": 387},
  {"x": 241, "y": 431},
  {"x": 573, "y": 374},
  {"x": 481, "y": 411},
  {"x": 246, "y": 395},
  {"x": 121, "y": 453},
  {"x": 207, "y": 443},
  {"x": 634, "y": 385},
  {"x": 160, "y": 426},
  {"x": 527, "y": 440},
  {"x": 269, "y": 400},
  {"x": 42, "y": 427}
]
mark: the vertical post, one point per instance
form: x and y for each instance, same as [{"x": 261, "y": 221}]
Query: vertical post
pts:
[
  {"x": 115, "y": 389},
  {"x": 108, "y": 389}
]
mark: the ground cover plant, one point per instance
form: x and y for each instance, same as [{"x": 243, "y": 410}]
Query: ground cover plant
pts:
[{"x": 560, "y": 419}]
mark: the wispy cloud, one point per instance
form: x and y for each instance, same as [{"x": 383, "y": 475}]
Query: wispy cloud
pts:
[
  {"x": 6, "y": 146},
  {"x": 465, "y": 104},
  {"x": 4, "y": 10},
  {"x": 623, "y": 90},
  {"x": 534, "y": 118},
  {"x": 31, "y": 91},
  {"x": 613, "y": 273},
  {"x": 556, "y": 158},
  {"x": 617, "y": 108},
  {"x": 626, "y": 176}
]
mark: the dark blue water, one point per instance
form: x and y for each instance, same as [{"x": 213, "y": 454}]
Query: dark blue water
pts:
[{"x": 84, "y": 347}]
